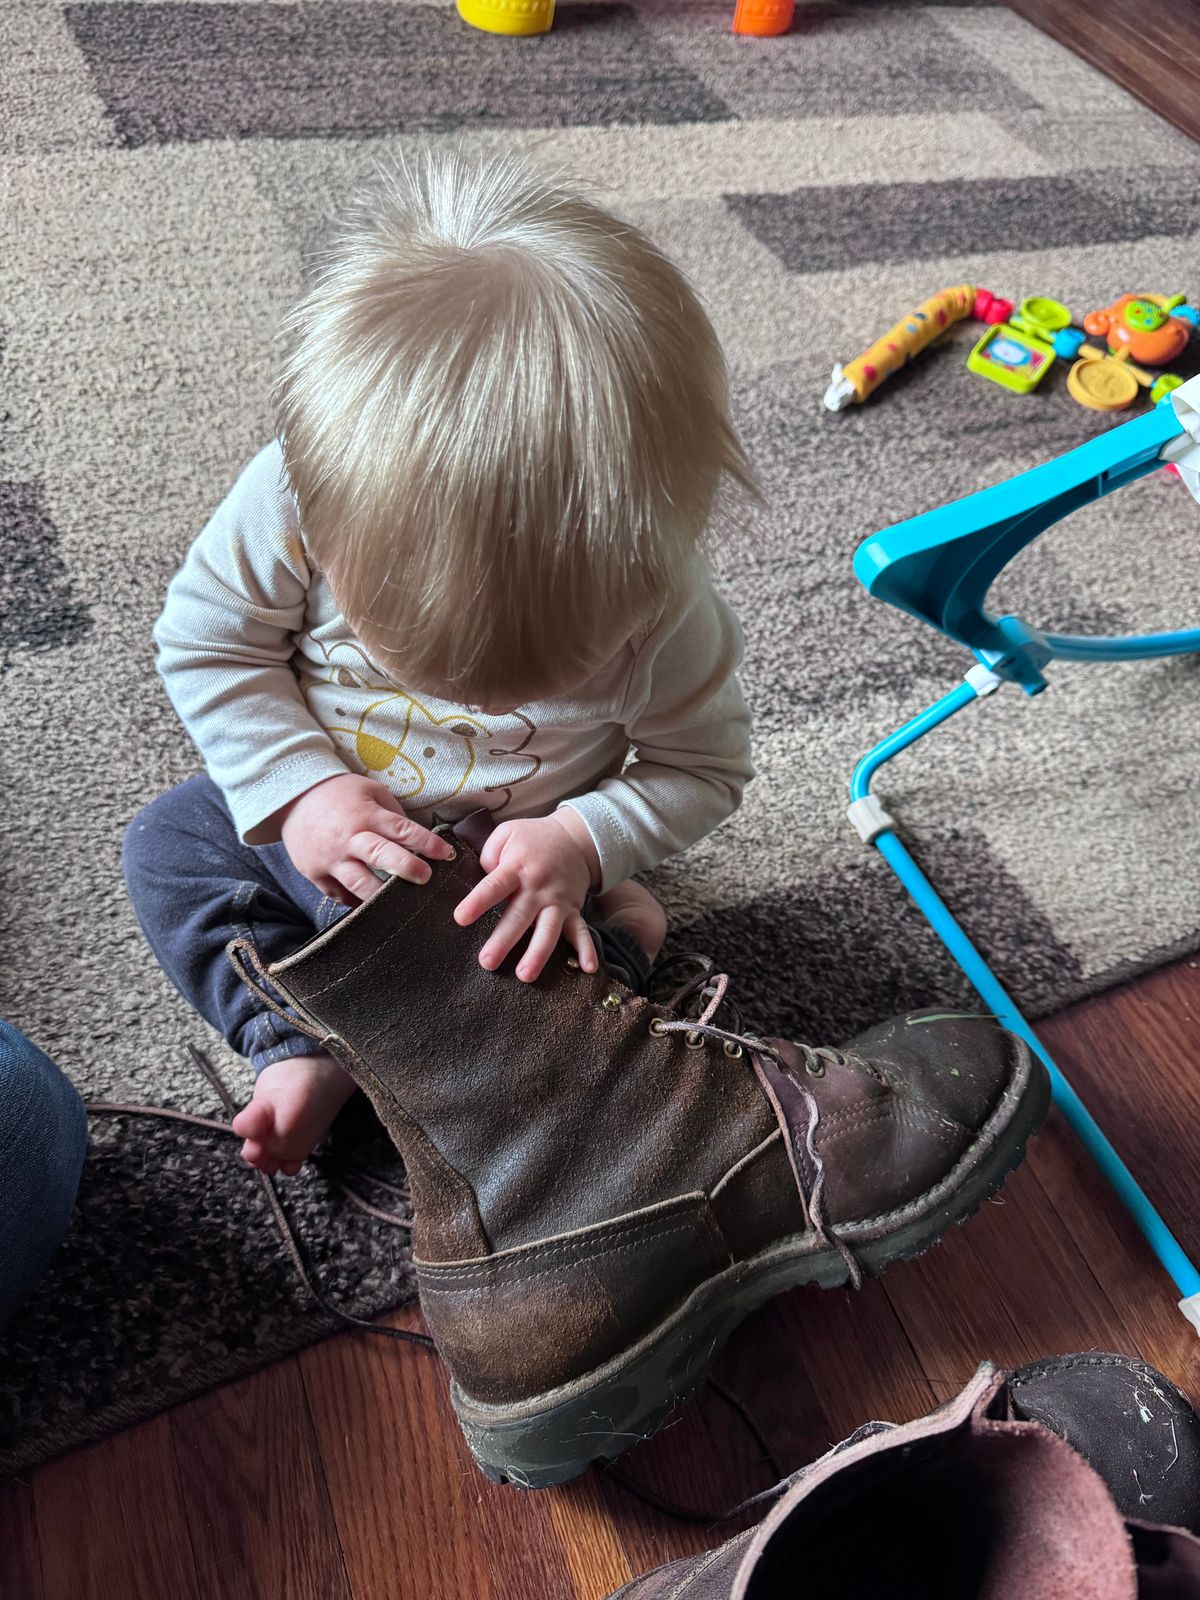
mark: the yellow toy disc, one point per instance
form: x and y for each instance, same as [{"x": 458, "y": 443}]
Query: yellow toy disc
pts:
[
  {"x": 513, "y": 17},
  {"x": 1102, "y": 385}
]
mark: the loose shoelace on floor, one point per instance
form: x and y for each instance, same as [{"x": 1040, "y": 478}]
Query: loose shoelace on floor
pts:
[{"x": 287, "y": 1231}]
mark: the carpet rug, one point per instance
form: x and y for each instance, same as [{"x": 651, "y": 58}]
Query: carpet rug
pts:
[{"x": 167, "y": 165}]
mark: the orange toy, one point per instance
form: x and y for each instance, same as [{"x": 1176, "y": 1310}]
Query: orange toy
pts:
[
  {"x": 1140, "y": 327},
  {"x": 763, "y": 17}
]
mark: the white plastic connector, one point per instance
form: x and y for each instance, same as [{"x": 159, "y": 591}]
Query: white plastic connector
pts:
[
  {"x": 1184, "y": 450},
  {"x": 841, "y": 392},
  {"x": 868, "y": 818},
  {"x": 1190, "y": 1306},
  {"x": 983, "y": 680}
]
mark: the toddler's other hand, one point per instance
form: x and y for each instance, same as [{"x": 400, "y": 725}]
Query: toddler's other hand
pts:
[
  {"x": 338, "y": 830},
  {"x": 543, "y": 867}
]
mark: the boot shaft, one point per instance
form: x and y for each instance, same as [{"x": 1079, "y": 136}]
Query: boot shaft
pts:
[{"x": 553, "y": 1103}]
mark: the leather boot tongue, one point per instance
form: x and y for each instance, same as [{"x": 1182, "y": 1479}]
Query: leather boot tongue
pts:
[
  {"x": 957, "y": 1506},
  {"x": 474, "y": 828}
]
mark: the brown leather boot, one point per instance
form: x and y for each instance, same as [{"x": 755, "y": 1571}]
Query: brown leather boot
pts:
[
  {"x": 604, "y": 1186},
  {"x": 971, "y": 1503}
]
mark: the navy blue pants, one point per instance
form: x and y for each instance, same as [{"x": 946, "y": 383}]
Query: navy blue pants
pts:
[{"x": 195, "y": 886}]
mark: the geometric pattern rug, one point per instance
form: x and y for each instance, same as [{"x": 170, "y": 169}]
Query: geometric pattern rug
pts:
[{"x": 166, "y": 168}]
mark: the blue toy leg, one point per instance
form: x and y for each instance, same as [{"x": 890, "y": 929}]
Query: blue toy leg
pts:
[{"x": 877, "y": 828}]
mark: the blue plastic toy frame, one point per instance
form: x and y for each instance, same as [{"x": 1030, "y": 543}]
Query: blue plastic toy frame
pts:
[{"x": 939, "y": 568}]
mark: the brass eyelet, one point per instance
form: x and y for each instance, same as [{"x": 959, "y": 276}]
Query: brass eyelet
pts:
[
  {"x": 658, "y": 1027},
  {"x": 733, "y": 1051},
  {"x": 571, "y": 964},
  {"x": 815, "y": 1069},
  {"x": 695, "y": 1041},
  {"x": 612, "y": 1001}
]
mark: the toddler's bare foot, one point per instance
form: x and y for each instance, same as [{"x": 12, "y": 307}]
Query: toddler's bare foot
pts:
[
  {"x": 293, "y": 1108},
  {"x": 632, "y": 907}
]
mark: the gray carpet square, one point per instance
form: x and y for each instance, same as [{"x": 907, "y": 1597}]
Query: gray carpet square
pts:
[
  {"x": 187, "y": 72},
  {"x": 848, "y": 62},
  {"x": 39, "y": 609},
  {"x": 923, "y": 221}
]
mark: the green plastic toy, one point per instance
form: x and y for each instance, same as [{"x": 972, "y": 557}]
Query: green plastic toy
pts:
[{"x": 1009, "y": 356}]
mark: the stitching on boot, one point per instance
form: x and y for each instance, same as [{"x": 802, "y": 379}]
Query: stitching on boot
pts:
[
  {"x": 454, "y": 1288},
  {"x": 697, "y": 1572},
  {"x": 696, "y": 1215},
  {"x": 564, "y": 1252},
  {"x": 899, "y": 1106},
  {"x": 376, "y": 949},
  {"x": 855, "y": 1118},
  {"x": 947, "y": 1185},
  {"x": 490, "y": 918}
]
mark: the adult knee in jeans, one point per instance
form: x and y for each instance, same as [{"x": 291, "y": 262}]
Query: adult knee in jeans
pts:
[{"x": 43, "y": 1138}]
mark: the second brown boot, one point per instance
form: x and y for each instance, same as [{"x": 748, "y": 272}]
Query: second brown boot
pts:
[
  {"x": 605, "y": 1185},
  {"x": 971, "y": 1503}
]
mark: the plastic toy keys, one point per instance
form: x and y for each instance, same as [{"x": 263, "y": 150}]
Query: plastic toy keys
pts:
[
  {"x": 1051, "y": 321},
  {"x": 763, "y": 18},
  {"x": 1141, "y": 327},
  {"x": 859, "y": 378}
]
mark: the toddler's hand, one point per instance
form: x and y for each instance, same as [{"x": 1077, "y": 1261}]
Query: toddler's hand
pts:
[
  {"x": 338, "y": 830},
  {"x": 544, "y": 868}
]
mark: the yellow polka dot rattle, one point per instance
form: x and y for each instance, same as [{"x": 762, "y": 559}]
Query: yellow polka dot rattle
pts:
[{"x": 851, "y": 384}]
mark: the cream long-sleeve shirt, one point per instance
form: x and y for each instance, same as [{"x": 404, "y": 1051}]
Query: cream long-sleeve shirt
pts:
[{"x": 278, "y": 694}]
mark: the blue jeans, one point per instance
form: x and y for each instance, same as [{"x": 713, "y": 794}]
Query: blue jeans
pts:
[
  {"x": 43, "y": 1136},
  {"x": 195, "y": 886}
]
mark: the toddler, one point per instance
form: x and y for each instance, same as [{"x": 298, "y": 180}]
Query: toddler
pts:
[{"x": 469, "y": 573}]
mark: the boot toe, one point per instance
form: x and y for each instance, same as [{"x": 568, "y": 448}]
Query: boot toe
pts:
[
  {"x": 957, "y": 1062},
  {"x": 1128, "y": 1421}
]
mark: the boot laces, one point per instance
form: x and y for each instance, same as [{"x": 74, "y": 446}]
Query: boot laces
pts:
[{"x": 705, "y": 994}]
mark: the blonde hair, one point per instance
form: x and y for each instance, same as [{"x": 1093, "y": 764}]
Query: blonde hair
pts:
[{"x": 505, "y": 419}]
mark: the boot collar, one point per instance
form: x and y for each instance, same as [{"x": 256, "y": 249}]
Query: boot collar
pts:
[{"x": 1092, "y": 1556}]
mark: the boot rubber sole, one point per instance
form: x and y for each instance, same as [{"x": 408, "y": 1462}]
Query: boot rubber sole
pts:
[{"x": 553, "y": 1437}]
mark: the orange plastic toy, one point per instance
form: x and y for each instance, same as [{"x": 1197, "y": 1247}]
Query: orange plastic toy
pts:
[
  {"x": 763, "y": 17},
  {"x": 1140, "y": 327}
]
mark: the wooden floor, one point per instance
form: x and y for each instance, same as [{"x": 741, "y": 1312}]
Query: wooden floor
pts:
[
  {"x": 340, "y": 1474},
  {"x": 1150, "y": 47}
]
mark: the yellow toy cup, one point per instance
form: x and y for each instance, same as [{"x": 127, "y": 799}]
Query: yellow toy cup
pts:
[{"x": 512, "y": 17}]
